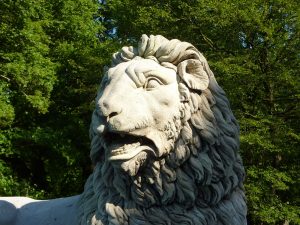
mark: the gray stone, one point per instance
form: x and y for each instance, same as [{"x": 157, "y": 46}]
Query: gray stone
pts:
[
  {"x": 27, "y": 211},
  {"x": 164, "y": 143}
]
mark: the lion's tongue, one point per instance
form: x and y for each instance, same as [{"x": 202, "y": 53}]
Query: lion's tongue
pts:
[{"x": 127, "y": 151}]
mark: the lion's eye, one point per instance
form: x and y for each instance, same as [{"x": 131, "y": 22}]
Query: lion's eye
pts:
[{"x": 152, "y": 83}]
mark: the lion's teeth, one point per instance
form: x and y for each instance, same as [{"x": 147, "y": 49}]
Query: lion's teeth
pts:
[{"x": 125, "y": 149}]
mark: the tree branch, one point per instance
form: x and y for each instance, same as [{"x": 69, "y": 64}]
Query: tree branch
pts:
[{"x": 6, "y": 78}]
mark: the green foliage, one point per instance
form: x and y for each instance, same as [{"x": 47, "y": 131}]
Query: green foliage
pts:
[
  {"x": 9, "y": 185},
  {"x": 7, "y": 110},
  {"x": 51, "y": 58},
  {"x": 50, "y": 66},
  {"x": 26, "y": 53}
]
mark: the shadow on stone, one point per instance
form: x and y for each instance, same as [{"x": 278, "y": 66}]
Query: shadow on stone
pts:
[{"x": 8, "y": 213}]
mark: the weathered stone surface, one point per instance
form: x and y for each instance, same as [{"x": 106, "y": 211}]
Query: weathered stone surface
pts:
[
  {"x": 27, "y": 211},
  {"x": 164, "y": 143}
]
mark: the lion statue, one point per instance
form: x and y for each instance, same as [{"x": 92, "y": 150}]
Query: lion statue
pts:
[{"x": 164, "y": 144}]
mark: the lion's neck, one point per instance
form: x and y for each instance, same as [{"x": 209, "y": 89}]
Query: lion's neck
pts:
[
  {"x": 167, "y": 194},
  {"x": 227, "y": 212},
  {"x": 159, "y": 184},
  {"x": 115, "y": 209},
  {"x": 192, "y": 185}
]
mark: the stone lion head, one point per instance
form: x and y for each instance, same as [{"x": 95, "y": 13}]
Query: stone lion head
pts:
[{"x": 164, "y": 142}]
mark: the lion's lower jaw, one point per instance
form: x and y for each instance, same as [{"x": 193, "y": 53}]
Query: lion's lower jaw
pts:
[{"x": 132, "y": 165}]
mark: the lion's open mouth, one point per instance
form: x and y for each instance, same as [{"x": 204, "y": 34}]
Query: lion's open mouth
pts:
[{"x": 125, "y": 146}]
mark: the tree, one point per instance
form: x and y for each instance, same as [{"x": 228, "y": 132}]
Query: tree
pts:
[
  {"x": 253, "y": 48},
  {"x": 50, "y": 66}
]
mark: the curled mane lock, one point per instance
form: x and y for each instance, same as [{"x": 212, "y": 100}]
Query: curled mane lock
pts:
[{"x": 199, "y": 181}]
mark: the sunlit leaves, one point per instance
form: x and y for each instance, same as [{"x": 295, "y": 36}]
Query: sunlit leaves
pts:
[{"x": 50, "y": 65}]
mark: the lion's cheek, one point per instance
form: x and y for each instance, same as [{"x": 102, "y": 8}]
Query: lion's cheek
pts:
[
  {"x": 163, "y": 103},
  {"x": 163, "y": 109},
  {"x": 161, "y": 142}
]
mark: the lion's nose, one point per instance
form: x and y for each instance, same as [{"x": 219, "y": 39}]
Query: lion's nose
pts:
[{"x": 109, "y": 109}]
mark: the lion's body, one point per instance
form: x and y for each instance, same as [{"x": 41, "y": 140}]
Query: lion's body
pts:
[
  {"x": 27, "y": 211},
  {"x": 164, "y": 143},
  {"x": 178, "y": 162}
]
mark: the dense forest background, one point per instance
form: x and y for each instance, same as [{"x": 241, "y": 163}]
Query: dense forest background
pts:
[{"x": 51, "y": 57}]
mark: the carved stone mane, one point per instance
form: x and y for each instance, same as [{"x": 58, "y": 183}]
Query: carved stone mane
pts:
[{"x": 181, "y": 163}]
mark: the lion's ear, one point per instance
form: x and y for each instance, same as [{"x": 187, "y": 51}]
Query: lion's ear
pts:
[{"x": 193, "y": 74}]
